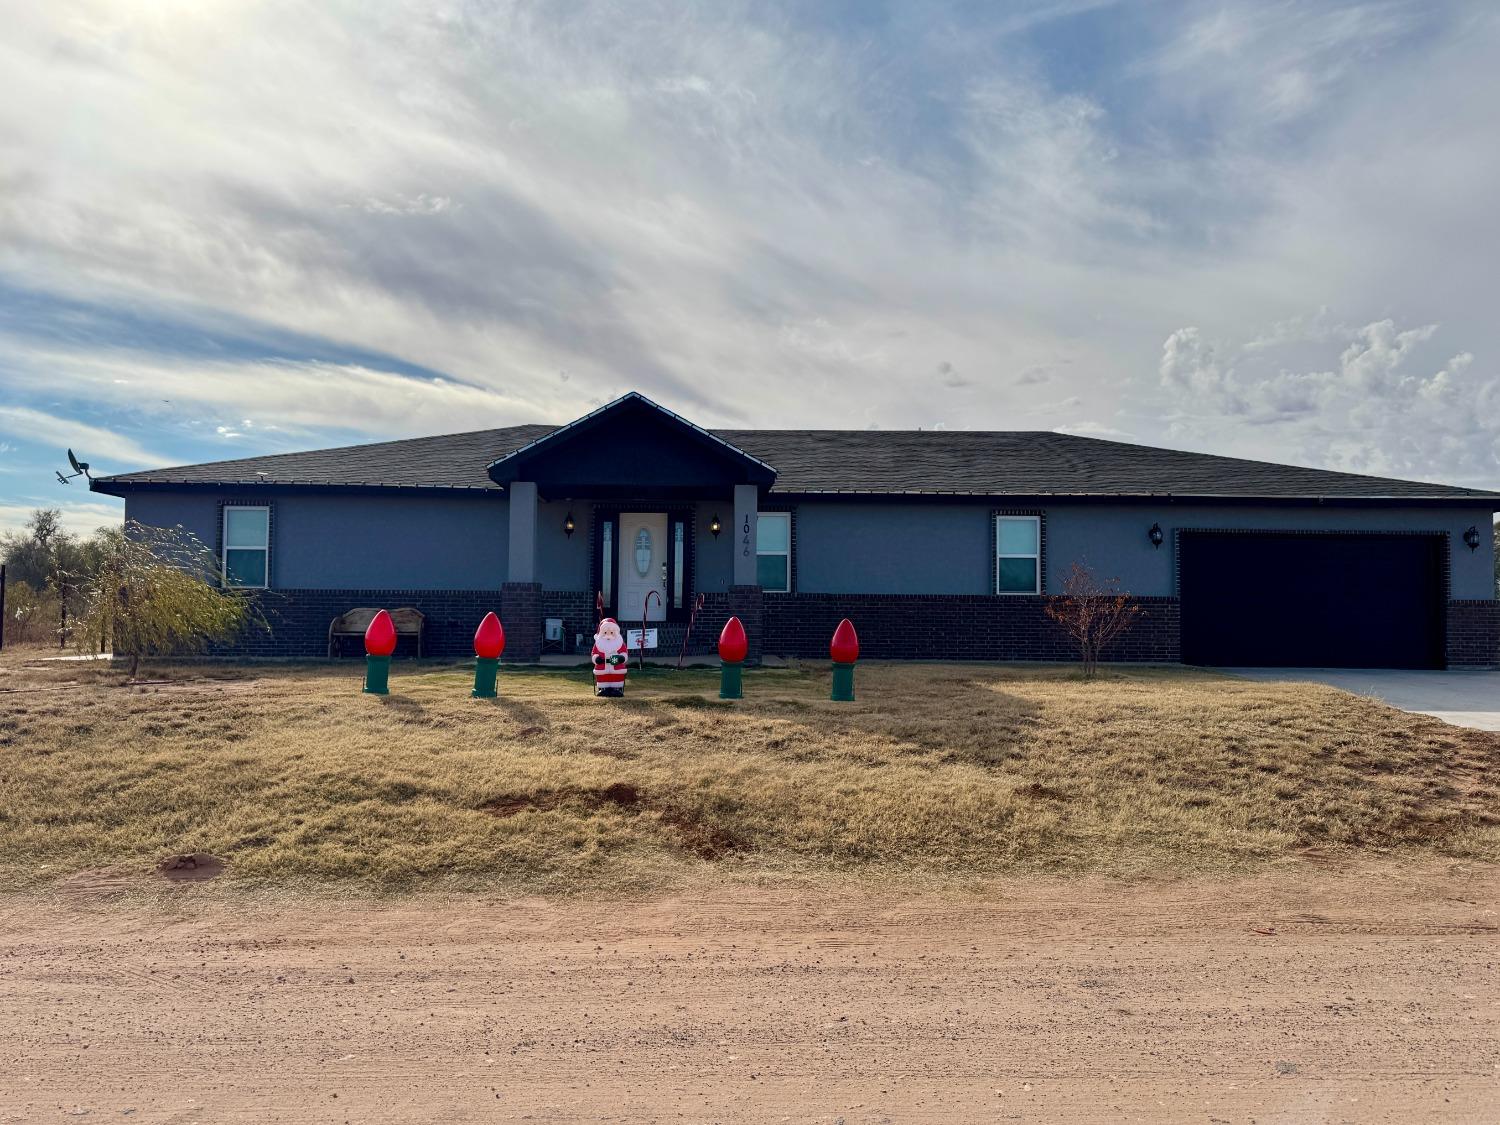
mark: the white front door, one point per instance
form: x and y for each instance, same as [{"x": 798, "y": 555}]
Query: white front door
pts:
[{"x": 643, "y": 565}]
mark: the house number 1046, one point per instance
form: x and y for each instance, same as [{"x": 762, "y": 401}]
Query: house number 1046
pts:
[{"x": 746, "y": 539}]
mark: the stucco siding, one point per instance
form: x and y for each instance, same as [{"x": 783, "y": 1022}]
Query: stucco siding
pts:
[
  {"x": 194, "y": 512},
  {"x": 713, "y": 570},
  {"x": 920, "y": 548},
  {"x": 846, "y": 548},
  {"x": 562, "y": 561},
  {"x": 1113, "y": 542},
  {"x": 348, "y": 541}
]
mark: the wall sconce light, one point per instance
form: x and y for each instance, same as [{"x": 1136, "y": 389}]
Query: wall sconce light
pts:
[
  {"x": 569, "y": 526},
  {"x": 715, "y": 526},
  {"x": 1471, "y": 537},
  {"x": 1155, "y": 535}
]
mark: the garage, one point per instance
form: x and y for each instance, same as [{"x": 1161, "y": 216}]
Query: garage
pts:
[{"x": 1293, "y": 600}]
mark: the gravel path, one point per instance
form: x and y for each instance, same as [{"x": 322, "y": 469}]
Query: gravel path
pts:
[{"x": 1307, "y": 994}]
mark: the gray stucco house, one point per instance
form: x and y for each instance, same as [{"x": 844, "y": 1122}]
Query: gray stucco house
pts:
[{"x": 938, "y": 544}]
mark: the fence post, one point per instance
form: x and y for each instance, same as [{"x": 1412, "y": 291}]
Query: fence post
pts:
[{"x": 2, "y": 607}]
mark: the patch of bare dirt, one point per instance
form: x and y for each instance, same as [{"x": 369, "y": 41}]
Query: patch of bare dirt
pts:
[
  {"x": 544, "y": 800},
  {"x": 98, "y": 882},
  {"x": 1308, "y": 994},
  {"x": 693, "y": 833},
  {"x": 196, "y": 867}
]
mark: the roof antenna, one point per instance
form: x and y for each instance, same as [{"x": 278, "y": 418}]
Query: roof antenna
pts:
[{"x": 80, "y": 469}]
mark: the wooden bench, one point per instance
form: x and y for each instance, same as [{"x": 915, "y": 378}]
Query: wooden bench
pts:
[{"x": 409, "y": 622}]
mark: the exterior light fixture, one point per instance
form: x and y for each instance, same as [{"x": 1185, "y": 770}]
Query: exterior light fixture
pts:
[
  {"x": 1155, "y": 535},
  {"x": 1471, "y": 537},
  {"x": 569, "y": 526},
  {"x": 715, "y": 526}
]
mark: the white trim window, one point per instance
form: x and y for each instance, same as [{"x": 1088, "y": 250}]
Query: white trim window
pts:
[
  {"x": 1018, "y": 554},
  {"x": 246, "y": 560},
  {"x": 773, "y": 552}
]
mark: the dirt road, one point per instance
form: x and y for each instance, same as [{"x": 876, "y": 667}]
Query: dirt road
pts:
[{"x": 1302, "y": 995}]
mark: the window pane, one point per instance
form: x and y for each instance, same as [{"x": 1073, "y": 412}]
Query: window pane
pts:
[
  {"x": 772, "y": 533},
  {"x": 1017, "y": 537},
  {"x": 607, "y": 561},
  {"x": 1018, "y": 576},
  {"x": 771, "y": 572},
  {"x": 245, "y": 527},
  {"x": 245, "y": 568},
  {"x": 676, "y": 565}
]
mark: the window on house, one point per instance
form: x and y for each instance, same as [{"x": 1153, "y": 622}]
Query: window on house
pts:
[
  {"x": 678, "y": 559},
  {"x": 607, "y": 562},
  {"x": 247, "y": 547},
  {"x": 773, "y": 548},
  {"x": 1018, "y": 557}
]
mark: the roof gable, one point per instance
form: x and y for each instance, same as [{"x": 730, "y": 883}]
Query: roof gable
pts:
[{"x": 631, "y": 446}]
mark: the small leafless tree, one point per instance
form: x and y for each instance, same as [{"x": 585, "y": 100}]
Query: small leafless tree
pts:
[{"x": 1093, "y": 612}]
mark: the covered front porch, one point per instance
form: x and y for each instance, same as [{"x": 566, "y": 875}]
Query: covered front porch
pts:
[{"x": 638, "y": 513}]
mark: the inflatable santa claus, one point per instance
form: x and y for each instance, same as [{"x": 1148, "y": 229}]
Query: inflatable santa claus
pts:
[{"x": 611, "y": 661}]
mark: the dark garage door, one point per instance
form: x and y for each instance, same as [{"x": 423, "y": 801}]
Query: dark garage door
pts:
[{"x": 1265, "y": 599}]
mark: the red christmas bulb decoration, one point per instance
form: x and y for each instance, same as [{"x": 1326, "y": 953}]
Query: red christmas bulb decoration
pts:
[
  {"x": 844, "y": 648},
  {"x": 489, "y": 638},
  {"x": 380, "y": 637},
  {"x": 733, "y": 644}
]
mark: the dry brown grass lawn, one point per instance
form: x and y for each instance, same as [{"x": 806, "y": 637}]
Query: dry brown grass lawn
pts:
[{"x": 294, "y": 777}]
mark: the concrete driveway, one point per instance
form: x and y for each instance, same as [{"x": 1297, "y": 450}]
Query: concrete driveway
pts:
[{"x": 1463, "y": 698}]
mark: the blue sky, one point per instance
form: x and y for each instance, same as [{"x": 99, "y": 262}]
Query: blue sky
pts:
[{"x": 1257, "y": 228}]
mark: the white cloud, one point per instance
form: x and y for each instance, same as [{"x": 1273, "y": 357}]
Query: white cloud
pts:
[
  {"x": 421, "y": 204},
  {"x": 302, "y": 396},
  {"x": 760, "y": 218},
  {"x": 951, "y": 378},
  {"x": 66, "y": 433},
  {"x": 1386, "y": 406},
  {"x": 1062, "y": 406},
  {"x": 80, "y": 517},
  {"x": 1268, "y": 62},
  {"x": 1095, "y": 429}
]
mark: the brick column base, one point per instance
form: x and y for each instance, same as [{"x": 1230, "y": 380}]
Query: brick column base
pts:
[
  {"x": 521, "y": 614},
  {"x": 1474, "y": 634},
  {"x": 748, "y": 604}
]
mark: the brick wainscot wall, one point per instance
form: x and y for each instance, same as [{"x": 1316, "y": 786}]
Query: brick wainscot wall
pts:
[
  {"x": 1473, "y": 634},
  {"x": 891, "y": 626},
  {"x": 954, "y": 627},
  {"x": 297, "y": 622}
]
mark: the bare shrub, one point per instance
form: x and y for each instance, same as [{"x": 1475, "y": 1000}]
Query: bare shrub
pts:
[{"x": 1093, "y": 612}]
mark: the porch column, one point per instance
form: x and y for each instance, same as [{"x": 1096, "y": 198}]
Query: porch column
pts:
[
  {"x": 521, "y": 595},
  {"x": 745, "y": 600},
  {"x": 746, "y": 514},
  {"x": 522, "y": 532}
]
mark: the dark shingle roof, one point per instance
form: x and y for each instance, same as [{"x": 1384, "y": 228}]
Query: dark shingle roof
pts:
[
  {"x": 1041, "y": 463},
  {"x": 445, "y": 461},
  {"x": 934, "y": 462}
]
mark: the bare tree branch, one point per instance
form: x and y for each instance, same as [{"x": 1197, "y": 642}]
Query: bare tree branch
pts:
[{"x": 1093, "y": 613}]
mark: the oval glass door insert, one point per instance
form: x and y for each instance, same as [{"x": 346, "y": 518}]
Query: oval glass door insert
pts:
[{"x": 643, "y": 551}]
